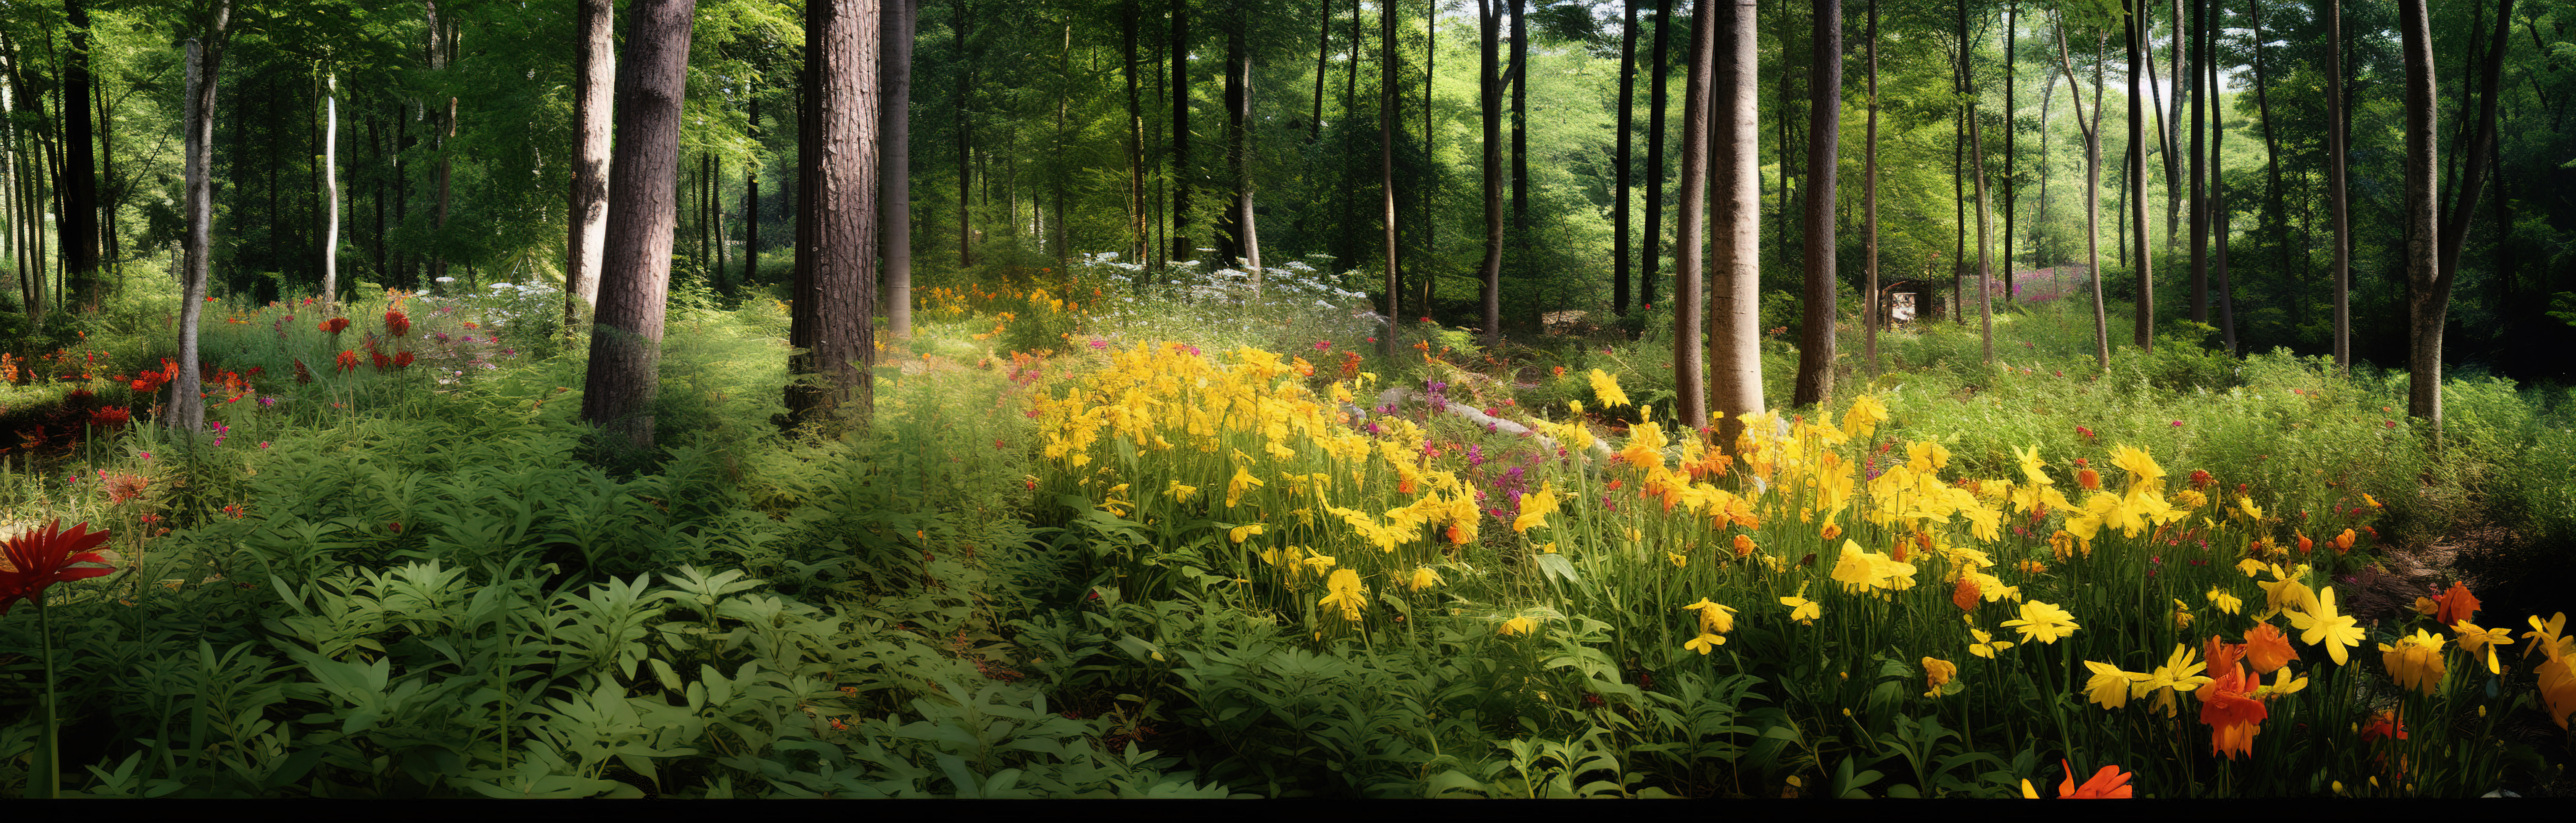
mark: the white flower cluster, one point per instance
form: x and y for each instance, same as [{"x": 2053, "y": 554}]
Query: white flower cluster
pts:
[{"x": 514, "y": 303}]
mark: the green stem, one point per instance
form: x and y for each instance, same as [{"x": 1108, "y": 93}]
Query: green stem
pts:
[{"x": 52, "y": 779}]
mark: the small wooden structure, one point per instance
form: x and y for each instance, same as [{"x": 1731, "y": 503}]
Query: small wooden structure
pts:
[{"x": 1899, "y": 303}]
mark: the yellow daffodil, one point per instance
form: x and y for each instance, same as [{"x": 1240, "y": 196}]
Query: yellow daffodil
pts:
[
  {"x": 2545, "y": 637},
  {"x": 2109, "y": 687},
  {"x": 1986, "y": 645},
  {"x": 2322, "y": 626},
  {"x": 2482, "y": 642},
  {"x": 2224, "y": 601},
  {"x": 1242, "y": 480},
  {"x": 1517, "y": 625},
  {"x": 2180, "y": 673},
  {"x": 1705, "y": 643},
  {"x": 2043, "y": 623},
  {"x": 1936, "y": 673},
  {"x": 1424, "y": 578},
  {"x": 1607, "y": 388},
  {"x": 1864, "y": 416},
  {"x": 1345, "y": 590},
  {"x": 2416, "y": 662},
  {"x": 1801, "y": 609}
]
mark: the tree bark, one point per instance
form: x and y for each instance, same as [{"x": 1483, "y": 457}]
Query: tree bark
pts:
[
  {"x": 2455, "y": 222},
  {"x": 2012, "y": 127},
  {"x": 2137, "y": 188},
  {"x": 2202, "y": 165},
  {"x": 79, "y": 180},
  {"x": 187, "y": 410},
  {"x": 1135, "y": 133},
  {"x": 1323, "y": 50},
  {"x": 2092, "y": 130},
  {"x": 1985, "y": 217},
  {"x": 1735, "y": 302},
  {"x": 1690, "y": 386},
  {"x": 897, "y": 21},
  {"x": 1490, "y": 88},
  {"x": 1182, "y": 175},
  {"x": 1247, "y": 233},
  {"x": 1824, "y": 110},
  {"x": 2429, "y": 294},
  {"x": 2219, "y": 219},
  {"x": 1654, "y": 233},
  {"x": 1519, "y": 79},
  {"x": 1385, "y": 158},
  {"x": 1870, "y": 311},
  {"x": 2336, "y": 195},
  {"x": 635, "y": 273},
  {"x": 331, "y": 186},
  {"x": 1623, "y": 161}
]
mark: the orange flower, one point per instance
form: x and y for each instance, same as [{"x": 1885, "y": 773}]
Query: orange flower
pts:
[
  {"x": 2304, "y": 543},
  {"x": 2109, "y": 783},
  {"x": 348, "y": 360},
  {"x": 2089, "y": 479},
  {"x": 41, "y": 558},
  {"x": 396, "y": 323},
  {"x": 2222, "y": 654},
  {"x": 2232, "y": 717},
  {"x": 2343, "y": 542},
  {"x": 1832, "y": 531},
  {"x": 1744, "y": 545},
  {"x": 335, "y": 325},
  {"x": 2268, "y": 648},
  {"x": 2383, "y": 726},
  {"x": 1964, "y": 595},
  {"x": 2457, "y": 604}
]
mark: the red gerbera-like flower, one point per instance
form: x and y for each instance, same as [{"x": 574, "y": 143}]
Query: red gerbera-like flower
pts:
[
  {"x": 402, "y": 360},
  {"x": 348, "y": 360},
  {"x": 335, "y": 325},
  {"x": 382, "y": 362},
  {"x": 2233, "y": 718},
  {"x": 396, "y": 323},
  {"x": 46, "y": 556}
]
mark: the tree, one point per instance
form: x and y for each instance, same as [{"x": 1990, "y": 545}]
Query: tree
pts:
[
  {"x": 594, "y": 83},
  {"x": 2092, "y": 130},
  {"x": 2336, "y": 196},
  {"x": 79, "y": 223},
  {"x": 2135, "y": 27},
  {"x": 1985, "y": 219},
  {"x": 1735, "y": 302},
  {"x": 1490, "y": 89},
  {"x": 898, "y": 20},
  {"x": 205, "y": 54},
  {"x": 2428, "y": 286},
  {"x": 1825, "y": 90},
  {"x": 2203, "y": 165},
  {"x": 1619, "y": 185},
  {"x": 1654, "y": 234},
  {"x": 1869, "y": 308},
  {"x": 635, "y": 274},
  {"x": 836, "y": 265},
  {"x": 1385, "y": 162},
  {"x": 331, "y": 186}
]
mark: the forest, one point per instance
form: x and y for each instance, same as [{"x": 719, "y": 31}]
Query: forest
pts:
[{"x": 1252, "y": 399}]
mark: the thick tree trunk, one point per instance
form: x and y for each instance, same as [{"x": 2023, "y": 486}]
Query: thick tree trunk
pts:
[
  {"x": 1825, "y": 112},
  {"x": 187, "y": 410},
  {"x": 1870, "y": 311},
  {"x": 635, "y": 273},
  {"x": 2429, "y": 294},
  {"x": 836, "y": 265},
  {"x": 2137, "y": 184},
  {"x": 1183, "y": 177},
  {"x": 2335, "y": 193},
  {"x": 79, "y": 180},
  {"x": 1690, "y": 385},
  {"x": 1654, "y": 233},
  {"x": 897, "y": 21},
  {"x": 1490, "y": 88}
]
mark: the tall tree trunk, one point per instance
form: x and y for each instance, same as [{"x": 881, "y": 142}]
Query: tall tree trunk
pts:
[
  {"x": 1519, "y": 79},
  {"x": 187, "y": 410},
  {"x": 1690, "y": 387},
  {"x": 1619, "y": 188},
  {"x": 79, "y": 180},
  {"x": 2203, "y": 166},
  {"x": 2335, "y": 193},
  {"x": 1183, "y": 177},
  {"x": 751, "y": 201},
  {"x": 965, "y": 153},
  {"x": 1734, "y": 287},
  {"x": 2429, "y": 284},
  {"x": 1134, "y": 132},
  {"x": 1825, "y": 111},
  {"x": 635, "y": 273},
  {"x": 1239, "y": 155},
  {"x": 1654, "y": 233},
  {"x": 1385, "y": 157},
  {"x": 897, "y": 21},
  {"x": 2012, "y": 127},
  {"x": 2275, "y": 222},
  {"x": 1985, "y": 215},
  {"x": 2481, "y": 147},
  {"x": 331, "y": 186},
  {"x": 1870, "y": 310},
  {"x": 2219, "y": 219},
  {"x": 1490, "y": 108},
  {"x": 2092, "y": 129},
  {"x": 438, "y": 60},
  {"x": 2137, "y": 188},
  {"x": 1323, "y": 51}
]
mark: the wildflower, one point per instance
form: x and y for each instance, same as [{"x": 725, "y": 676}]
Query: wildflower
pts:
[
  {"x": 2043, "y": 622},
  {"x": 2109, "y": 687},
  {"x": 1744, "y": 545},
  {"x": 1607, "y": 388},
  {"x": 1801, "y": 609},
  {"x": 1535, "y": 508},
  {"x": 2338, "y": 632},
  {"x": 402, "y": 360},
  {"x": 1985, "y": 644},
  {"x": 1345, "y": 592},
  {"x": 2108, "y": 784},
  {"x": 1865, "y": 415},
  {"x": 1713, "y": 618},
  {"x": 1679, "y": 560},
  {"x": 40, "y": 558},
  {"x": 1517, "y": 626},
  {"x": 1831, "y": 531},
  {"x": 335, "y": 325},
  {"x": 348, "y": 360},
  {"x": 2233, "y": 717},
  {"x": 2475, "y": 640},
  {"x": 2179, "y": 674},
  {"x": 1937, "y": 673},
  {"x": 2268, "y": 648},
  {"x": 1234, "y": 488},
  {"x": 1424, "y": 578},
  {"x": 396, "y": 323},
  {"x": 2088, "y": 479},
  {"x": 2343, "y": 542},
  {"x": 1705, "y": 643},
  {"x": 2383, "y": 726},
  {"x": 1238, "y": 533},
  {"x": 124, "y": 487},
  {"x": 2416, "y": 662},
  {"x": 2225, "y": 601},
  {"x": 2181, "y": 614},
  {"x": 1964, "y": 594}
]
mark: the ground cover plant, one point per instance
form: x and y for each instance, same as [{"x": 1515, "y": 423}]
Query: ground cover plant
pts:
[{"x": 1263, "y": 562}]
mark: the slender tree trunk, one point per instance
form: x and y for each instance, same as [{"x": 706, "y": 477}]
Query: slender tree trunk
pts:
[
  {"x": 2202, "y": 165},
  {"x": 1870, "y": 310},
  {"x": 1385, "y": 160},
  {"x": 898, "y": 20},
  {"x": 1134, "y": 132},
  {"x": 2429, "y": 293},
  {"x": 1824, "y": 143},
  {"x": 965, "y": 153},
  {"x": 751, "y": 202},
  {"x": 1619, "y": 187},
  {"x": 2335, "y": 193},
  {"x": 1490, "y": 87},
  {"x": 1654, "y": 233},
  {"x": 187, "y": 410},
  {"x": 1689, "y": 367},
  {"x": 635, "y": 273},
  {"x": 2092, "y": 129},
  {"x": 2137, "y": 188},
  {"x": 1519, "y": 78},
  {"x": 2219, "y": 219},
  {"x": 1735, "y": 284},
  {"x": 331, "y": 186},
  {"x": 2481, "y": 147},
  {"x": 2012, "y": 127},
  {"x": 1248, "y": 235},
  {"x": 2275, "y": 222},
  {"x": 1183, "y": 177},
  {"x": 1985, "y": 217},
  {"x": 79, "y": 179},
  {"x": 1323, "y": 50}
]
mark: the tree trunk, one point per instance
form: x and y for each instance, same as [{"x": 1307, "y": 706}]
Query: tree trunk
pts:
[
  {"x": 1623, "y": 161},
  {"x": 1247, "y": 234},
  {"x": 1985, "y": 218},
  {"x": 897, "y": 21},
  {"x": 1690, "y": 390},
  {"x": 2219, "y": 222},
  {"x": 1490, "y": 88},
  {"x": 79, "y": 180},
  {"x": 2092, "y": 130},
  {"x": 1182, "y": 176},
  {"x": 1519, "y": 79},
  {"x": 1824, "y": 110},
  {"x": 2203, "y": 166},
  {"x": 2012, "y": 127},
  {"x": 2455, "y": 223},
  {"x": 2137, "y": 188},
  {"x": 635, "y": 273},
  {"x": 187, "y": 410},
  {"x": 331, "y": 186},
  {"x": 751, "y": 201},
  {"x": 1870, "y": 311},
  {"x": 965, "y": 153},
  {"x": 1323, "y": 50},
  {"x": 2429, "y": 293},
  {"x": 1654, "y": 233},
  {"x": 2275, "y": 222},
  {"x": 1135, "y": 133},
  {"x": 2335, "y": 192},
  {"x": 1385, "y": 156}
]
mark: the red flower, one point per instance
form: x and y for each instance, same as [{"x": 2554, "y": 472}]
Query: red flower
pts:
[
  {"x": 46, "y": 556},
  {"x": 2108, "y": 783},
  {"x": 402, "y": 360},
  {"x": 382, "y": 362},
  {"x": 396, "y": 323},
  {"x": 2083, "y": 432},
  {"x": 348, "y": 360},
  {"x": 2233, "y": 718},
  {"x": 2383, "y": 726},
  {"x": 2201, "y": 479},
  {"x": 2457, "y": 605},
  {"x": 112, "y": 417},
  {"x": 335, "y": 325}
]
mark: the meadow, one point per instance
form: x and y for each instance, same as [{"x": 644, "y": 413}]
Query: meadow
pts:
[{"x": 1120, "y": 533}]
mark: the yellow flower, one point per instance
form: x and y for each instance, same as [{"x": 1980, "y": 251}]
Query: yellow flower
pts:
[
  {"x": 2143, "y": 471},
  {"x": 1424, "y": 578},
  {"x": 1345, "y": 592},
  {"x": 1713, "y": 618},
  {"x": 1181, "y": 492},
  {"x": 2245, "y": 506},
  {"x": 1679, "y": 560},
  {"x": 2250, "y": 567},
  {"x": 1705, "y": 643},
  {"x": 2282, "y": 684},
  {"x": 1801, "y": 609},
  {"x": 1234, "y": 488},
  {"x": 1937, "y": 672},
  {"x": 2180, "y": 673},
  {"x": 2181, "y": 615},
  {"x": 1926, "y": 457},
  {"x": 1535, "y": 507},
  {"x": 1865, "y": 415},
  {"x": 2545, "y": 637},
  {"x": 1517, "y": 625},
  {"x": 1860, "y": 570},
  {"x": 2416, "y": 662},
  {"x": 1238, "y": 533},
  {"x": 2043, "y": 622},
  {"x": 1986, "y": 645},
  {"x": 2337, "y": 632},
  {"x": 2225, "y": 602},
  {"x": 1606, "y": 388},
  {"x": 2109, "y": 686},
  {"x": 2475, "y": 640}
]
